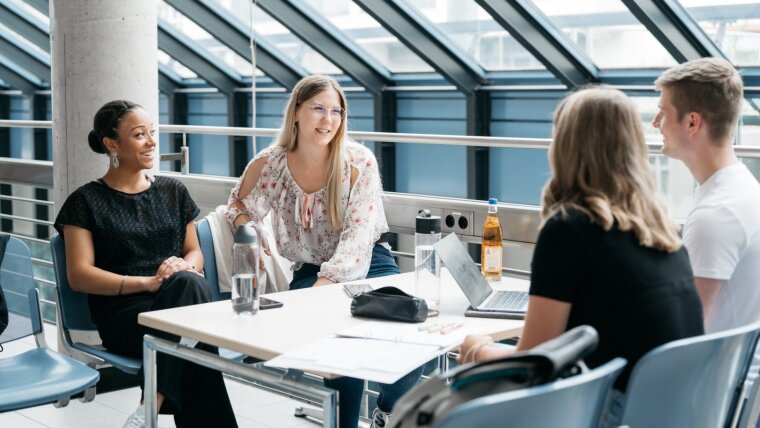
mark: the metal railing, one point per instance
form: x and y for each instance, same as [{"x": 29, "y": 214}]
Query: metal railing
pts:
[{"x": 654, "y": 147}]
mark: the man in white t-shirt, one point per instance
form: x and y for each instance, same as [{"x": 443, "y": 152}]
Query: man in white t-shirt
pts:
[{"x": 700, "y": 104}]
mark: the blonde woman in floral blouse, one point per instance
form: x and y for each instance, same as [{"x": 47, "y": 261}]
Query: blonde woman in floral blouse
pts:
[{"x": 325, "y": 195}]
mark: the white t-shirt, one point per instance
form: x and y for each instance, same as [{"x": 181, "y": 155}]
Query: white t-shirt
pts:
[{"x": 722, "y": 235}]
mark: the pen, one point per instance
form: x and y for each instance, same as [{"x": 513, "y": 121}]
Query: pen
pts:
[
  {"x": 451, "y": 327},
  {"x": 428, "y": 327}
]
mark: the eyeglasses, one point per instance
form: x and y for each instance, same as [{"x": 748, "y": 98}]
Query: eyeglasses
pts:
[{"x": 320, "y": 111}]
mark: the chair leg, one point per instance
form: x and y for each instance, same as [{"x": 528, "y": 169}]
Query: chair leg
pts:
[
  {"x": 63, "y": 402},
  {"x": 310, "y": 413},
  {"x": 88, "y": 395}
]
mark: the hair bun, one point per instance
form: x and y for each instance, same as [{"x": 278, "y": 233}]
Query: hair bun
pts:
[{"x": 96, "y": 144}]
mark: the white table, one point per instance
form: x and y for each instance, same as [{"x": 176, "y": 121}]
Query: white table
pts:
[{"x": 307, "y": 315}]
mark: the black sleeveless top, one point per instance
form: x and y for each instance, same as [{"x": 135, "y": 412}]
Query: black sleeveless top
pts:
[{"x": 132, "y": 233}]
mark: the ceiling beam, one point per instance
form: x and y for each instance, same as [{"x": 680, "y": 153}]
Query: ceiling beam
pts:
[
  {"x": 674, "y": 28},
  {"x": 536, "y": 33},
  {"x": 12, "y": 50},
  {"x": 41, "y": 5},
  {"x": 195, "y": 58},
  {"x": 230, "y": 32},
  {"x": 15, "y": 19},
  {"x": 325, "y": 38},
  {"x": 427, "y": 42},
  {"x": 17, "y": 80},
  {"x": 168, "y": 80}
]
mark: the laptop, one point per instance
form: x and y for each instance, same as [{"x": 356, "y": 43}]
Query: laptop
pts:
[{"x": 484, "y": 301}]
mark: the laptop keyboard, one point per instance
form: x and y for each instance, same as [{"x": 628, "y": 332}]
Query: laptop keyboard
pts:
[{"x": 509, "y": 300}]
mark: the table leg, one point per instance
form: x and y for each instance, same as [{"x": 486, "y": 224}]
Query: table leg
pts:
[
  {"x": 149, "y": 369},
  {"x": 330, "y": 410}
]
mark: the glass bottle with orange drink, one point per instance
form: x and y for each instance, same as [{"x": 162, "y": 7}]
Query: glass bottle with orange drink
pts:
[{"x": 491, "y": 248}]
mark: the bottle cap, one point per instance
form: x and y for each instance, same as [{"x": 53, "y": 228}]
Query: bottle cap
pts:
[
  {"x": 245, "y": 234},
  {"x": 493, "y": 201},
  {"x": 427, "y": 223}
]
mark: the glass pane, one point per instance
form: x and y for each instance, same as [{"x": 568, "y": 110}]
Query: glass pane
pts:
[
  {"x": 190, "y": 29},
  {"x": 749, "y": 132},
  {"x": 175, "y": 66},
  {"x": 734, "y": 26},
  {"x": 281, "y": 37},
  {"x": 675, "y": 183},
  {"x": 476, "y": 33},
  {"x": 370, "y": 35},
  {"x": 607, "y": 32},
  {"x": 648, "y": 108}
]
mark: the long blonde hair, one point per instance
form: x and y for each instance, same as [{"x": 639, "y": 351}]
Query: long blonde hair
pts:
[
  {"x": 599, "y": 158},
  {"x": 305, "y": 89}
]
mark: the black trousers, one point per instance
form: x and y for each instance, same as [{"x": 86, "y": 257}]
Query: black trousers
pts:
[{"x": 196, "y": 395}]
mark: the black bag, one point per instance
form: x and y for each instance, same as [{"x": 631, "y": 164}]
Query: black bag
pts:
[
  {"x": 427, "y": 403},
  {"x": 389, "y": 303},
  {"x": 3, "y": 304}
]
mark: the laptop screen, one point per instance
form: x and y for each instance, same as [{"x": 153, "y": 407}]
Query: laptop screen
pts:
[{"x": 463, "y": 269}]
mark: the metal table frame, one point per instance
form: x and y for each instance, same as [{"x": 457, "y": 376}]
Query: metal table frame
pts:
[{"x": 252, "y": 373}]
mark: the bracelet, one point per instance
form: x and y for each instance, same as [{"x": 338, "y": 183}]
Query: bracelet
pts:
[{"x": 121, "y": 286}]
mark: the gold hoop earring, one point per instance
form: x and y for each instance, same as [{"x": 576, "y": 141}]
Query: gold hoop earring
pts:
[{"x": 114, "y": 159}]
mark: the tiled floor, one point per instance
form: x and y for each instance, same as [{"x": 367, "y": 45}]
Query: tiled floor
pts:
[{"x": 254, "y": 408}]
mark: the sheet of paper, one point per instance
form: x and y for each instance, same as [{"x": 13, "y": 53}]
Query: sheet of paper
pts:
[
  {"x": 435, "y": 333},
  {"x": 374, "y": 360}
]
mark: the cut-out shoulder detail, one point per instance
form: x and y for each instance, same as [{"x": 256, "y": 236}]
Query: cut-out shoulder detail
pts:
[
  {"x": 354, "y": 175},
  {"x": 252, "y": 175}
]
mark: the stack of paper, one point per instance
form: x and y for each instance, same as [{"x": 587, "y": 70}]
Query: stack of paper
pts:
[
  {"x": 375, "y": 360},
  {"x": 375, "y": 350},
  {"x": 440, "y": 334}
]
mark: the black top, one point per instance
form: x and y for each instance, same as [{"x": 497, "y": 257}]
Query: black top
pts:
[
  {"x": 132, "y": 233},
  {"x": 637, "y": 298}
]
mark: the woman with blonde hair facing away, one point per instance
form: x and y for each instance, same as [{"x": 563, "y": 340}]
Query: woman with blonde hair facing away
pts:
[
  {"x": 608, "y": 255},
  {"x": 325, "y": 196}
]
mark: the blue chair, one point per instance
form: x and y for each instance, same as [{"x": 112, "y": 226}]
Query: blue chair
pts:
[
  {"x": 749, "y": 414},
  {"x": 575, "y": 402},
  {"x": 692, "y": 382},
  {"x": 38, "y": 376},
  {"x": 209, "y": 260},
  {"x": 74, "y": 314}
]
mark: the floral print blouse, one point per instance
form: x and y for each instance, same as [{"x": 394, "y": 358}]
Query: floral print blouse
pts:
[{"x": 343, "y": 255}]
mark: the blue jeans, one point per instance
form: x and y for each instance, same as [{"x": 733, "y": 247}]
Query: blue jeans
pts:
[{"x": 350, "y": 389}]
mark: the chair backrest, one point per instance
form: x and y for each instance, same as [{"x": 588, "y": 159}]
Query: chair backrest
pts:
[
  {"x": 17, "y": 282},
  {"x": 73, "y": 306},
  {"x": 209, "y": 259},
  {"x": 692, "y": 382},
  {"x": 575, "y": 402}
]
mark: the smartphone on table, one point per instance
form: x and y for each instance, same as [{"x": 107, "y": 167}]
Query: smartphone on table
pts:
[{"x": 265, "y": 303}]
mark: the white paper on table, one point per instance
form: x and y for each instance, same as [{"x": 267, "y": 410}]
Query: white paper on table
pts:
[
  {"x": 374, "y": 360},
  {"x": 422, "y": 334}
]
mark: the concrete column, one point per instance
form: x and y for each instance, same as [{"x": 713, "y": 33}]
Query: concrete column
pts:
[{"x": 101, "y": 50}]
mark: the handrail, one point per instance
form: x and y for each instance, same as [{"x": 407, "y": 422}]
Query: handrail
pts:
[
  {"x": 654, "y": 147},
  {"x": 386, "y": 137}
]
